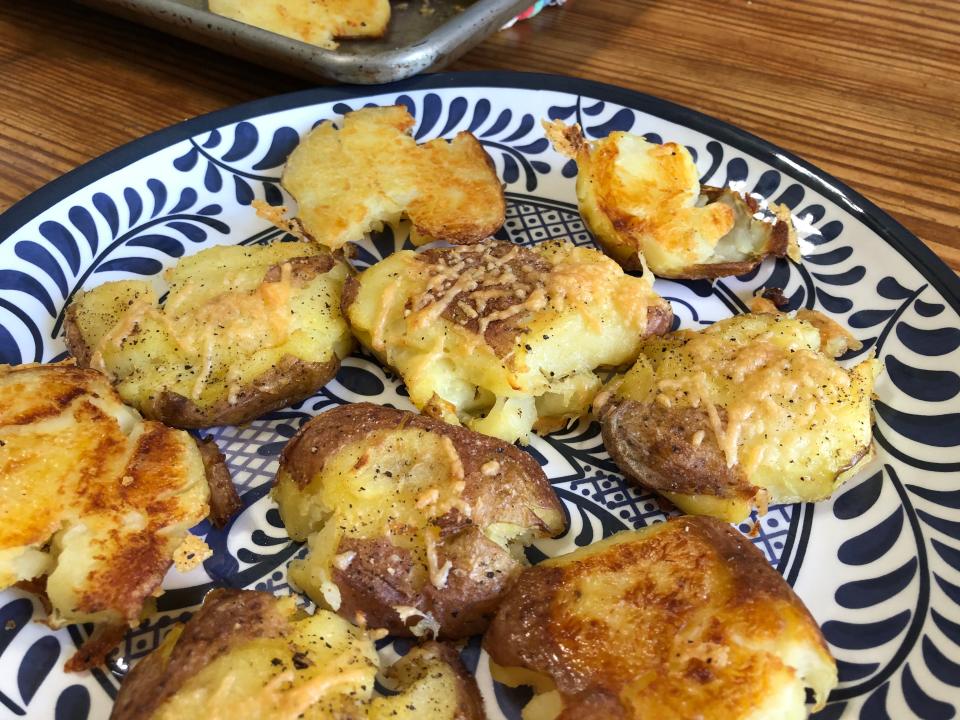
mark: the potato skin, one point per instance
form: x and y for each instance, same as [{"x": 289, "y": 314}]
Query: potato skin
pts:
[
  {"x": 650, "y": 624},
  {"x": 228, "y": 618},
  {"x": 224, "y": 500},
  {"x": 291, "y": 381},
  {"x": 651, "y": 444},
  {"x": 77, "y": 344},
  {"x": 381, "y": 575}
]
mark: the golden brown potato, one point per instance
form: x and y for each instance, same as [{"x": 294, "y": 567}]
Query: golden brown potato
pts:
[
  {"x": 749, "y": 411},
  {"x": 249, "y": 656},
  {"x": 317, "y": 22},
  {"x": 243, "y": 330},
  {"x": 95, "y": 504},
  {"x": 645, "y": 206},
  {"x": 413, "y": 525},
  {"x": 350, "y": 181},
  {"x": 682, "y": 619},
  {"x": 500, "y": 337}
]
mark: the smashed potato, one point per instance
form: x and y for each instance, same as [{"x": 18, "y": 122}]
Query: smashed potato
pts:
[
  {"x": 243, "y": 330},
  {"x": 681, "y": 619},
  {"x": 94, "y": 502},
  {"x": 249, "y": 655},
  {"x": 413, "y": 525},
  {"x": 350, "y": 181},
  {"x": 749, "y": 411},
  {"x": 499, "y": 337},
  {"x": 317, "y": 22},
  {"x": 645, "y": 206}
]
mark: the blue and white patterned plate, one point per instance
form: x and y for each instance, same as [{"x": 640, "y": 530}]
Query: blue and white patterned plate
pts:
[{"x": 878, "y": 565}]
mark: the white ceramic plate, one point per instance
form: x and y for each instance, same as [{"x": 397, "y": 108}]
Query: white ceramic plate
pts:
[{"x": 878, "y": 565}]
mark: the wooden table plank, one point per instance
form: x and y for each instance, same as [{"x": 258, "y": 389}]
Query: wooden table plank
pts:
[{"x": 868, "y": 91}]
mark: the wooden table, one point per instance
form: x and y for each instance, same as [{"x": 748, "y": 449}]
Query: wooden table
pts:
[{"x": 869, "y": 91}]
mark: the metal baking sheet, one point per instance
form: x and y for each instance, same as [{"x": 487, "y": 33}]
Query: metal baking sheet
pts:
[{"x": 423, "y": 35}]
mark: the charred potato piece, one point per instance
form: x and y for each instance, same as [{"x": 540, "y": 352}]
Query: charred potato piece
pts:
[
  {"x": 413, "y": 525},
  {"x": 249, "y": 656},
  {"x": 350, "y": 181},
  {"x": 500, "y": 337},
  {"x": 645, "y": 206},
  {"x": 243, "y": 330},
  {"x": 95, "y": 503},
  {"x": 749, "y": 411},
  {"x": 681, "y": 619},
  {"x": 316, "y": 23}
]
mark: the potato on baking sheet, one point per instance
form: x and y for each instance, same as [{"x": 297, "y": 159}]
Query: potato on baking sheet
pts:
[
  {"x": 678, "y": 620},
  {"x": 645, "y": 206},
  {"x": 247, "y": 655},
  {"x": 413, "y": 525},
  {"x": 318, "y": 22},
  {"x": 351, "y": 180},
  {"x": 749, "y": 411},
  {"x": 95, "y": 503},
  {"x": 243, "y": 330},
  {"x": 500, "y": 337}
]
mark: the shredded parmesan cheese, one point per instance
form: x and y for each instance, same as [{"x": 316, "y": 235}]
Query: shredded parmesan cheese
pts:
[
  {"x": 427, "y": 498},
  {"x": 438, "y": 575},
  {"x": 490, "y": 468},
  {"x": 342, "y": 560},
  {"x": 427, "y": 626},
  {"x": 456, "y": 466},
  {"x": 384, "y": 309}
]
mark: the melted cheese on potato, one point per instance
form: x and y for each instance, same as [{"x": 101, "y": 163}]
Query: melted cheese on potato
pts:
[
  {"x": 644, "y": 203},
  {"x": 787, "y": 416},
  {"x": 350, "y": 181},
  {"x": 90, "y": 495},
  {"x": 232, "y": 316},
  {"x": 502, "y": 337},
  {"x": 248, "y": 655},
  {"x": 678, "y": 620},
  {"x": 310, "y": 21}
]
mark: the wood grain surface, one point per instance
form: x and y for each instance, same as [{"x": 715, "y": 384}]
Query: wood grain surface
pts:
[{"x": 869, "y": 90}]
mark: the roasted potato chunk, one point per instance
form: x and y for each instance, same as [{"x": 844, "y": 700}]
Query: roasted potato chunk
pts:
[
  {"x": 413, "y": 525},
  {"x": 309, "y": 21},
  {"x": 682, "y": 619},
  {"x": 243, "y": 330},
  {"x": 749, "y": 411},
  {"x": 645, "y": 206},
  {"x": 249, "y": 656},
  {"x": 95, "y": 504},
  {"x": 499, "y": 337},
  {"x": 350, "y": 181}
]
